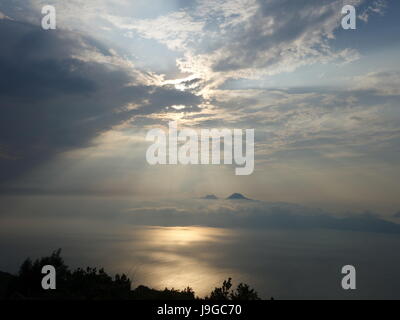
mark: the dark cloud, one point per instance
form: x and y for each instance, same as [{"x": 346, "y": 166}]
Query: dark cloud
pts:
[{"x": 51, "y": 101}]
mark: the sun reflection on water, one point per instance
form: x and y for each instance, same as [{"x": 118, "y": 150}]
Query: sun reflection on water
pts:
[
  {"x": 183, "y": 235},
  {"x": 177, "y": 257}
]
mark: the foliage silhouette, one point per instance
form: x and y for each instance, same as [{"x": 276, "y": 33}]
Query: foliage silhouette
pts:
[
  {"x": 242, "y": 292},
  {"x": 96, "y": 284},
  {"x": 88, "y": 283}
]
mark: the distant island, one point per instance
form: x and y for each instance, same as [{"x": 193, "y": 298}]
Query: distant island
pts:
[
  {"x": 210, "y": 197},
  {"x": 233, "y": 196},
  {"x": 237, "y": 196}
]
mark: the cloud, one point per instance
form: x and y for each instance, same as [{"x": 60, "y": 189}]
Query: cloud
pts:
[
  {"x": 377, "y": 7},
  {"x": 385, "y": 83},
  {"x": 220, "y": 40},
  {"x": 60, "y": 89},
  {"x": 174, "y": 30},
  {"x": 229, "y": 214},
  {"x": 63, "y": 89},
  {"x": 259, "y": 214},
  {"x": 3, "y": 16}
]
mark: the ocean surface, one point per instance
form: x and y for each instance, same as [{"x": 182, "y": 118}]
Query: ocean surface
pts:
[{"x": 284, "y": 264}]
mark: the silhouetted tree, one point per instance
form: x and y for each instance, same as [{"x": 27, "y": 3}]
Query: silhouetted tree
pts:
[
  {"x": 28, "y": 282},
  {"x": 221, "y": 293},
  {"x": 96, "y": 284},
  {"x": 79, "y": 284},
  {"x": 242, "y": 292},
  {"x": 145, "y": 293}
]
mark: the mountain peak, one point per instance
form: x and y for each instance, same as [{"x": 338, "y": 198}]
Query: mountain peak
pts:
[
  {"x": 210, "y": 197},
  {"x": 237, "y": 196}
]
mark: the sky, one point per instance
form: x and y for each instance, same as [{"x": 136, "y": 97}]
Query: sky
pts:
[
  {"x": 76, "y": 104},
  {"x": 78, "y": 101}
]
